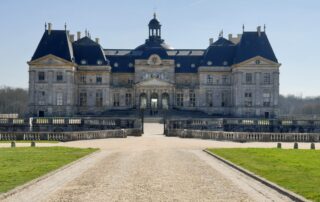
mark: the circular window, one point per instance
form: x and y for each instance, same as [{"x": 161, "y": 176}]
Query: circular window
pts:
[
  {"x": 115, "y": 64},
  {"x": 178, "y": 65},
  {"x": 225, "y": 63},
  {"x": 193, "y": 65},
  {"x": 209, "y": 62},
  {"x": 83, "y": 62},
  {"x": 99, "y": 62}
]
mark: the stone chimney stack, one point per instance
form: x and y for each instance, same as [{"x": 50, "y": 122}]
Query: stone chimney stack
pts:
[
  {"x": 259, "y": 30},
  {"x": 78, "y": 35},
  {"x": 97, "y": 40},
  {"x": 210, "y": 41},
  {"x": 230, "y": 37},
  {"x": 49, "y": 28},
  {"x": 72, "y": 38}
]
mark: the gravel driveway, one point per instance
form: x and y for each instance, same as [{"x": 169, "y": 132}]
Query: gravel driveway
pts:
[{"x": 149, "y": 168}]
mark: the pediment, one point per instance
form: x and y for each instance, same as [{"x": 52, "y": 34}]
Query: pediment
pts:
[
  {"x": 154, "y": 82},
  {"x": 50, "y": 60},
  {"x": 258, "y": 61}
]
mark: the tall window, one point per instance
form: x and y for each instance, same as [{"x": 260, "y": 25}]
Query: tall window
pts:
[
  {"x": 209, "y": 100},
  {"x": 249, "y": 79},
  {"x": 224, "y": 79},
  {"x": 82, "y": 79},
  {"x": 209, "y": 79},
  {"x": 248, "y": 99},
  {"x": 179, "y": 99},
  {"x": 59, "y": 76},
  {"x": 128, "y": 99},
  {"x": 98, "y": 79},
  {"x": 83, "y": 99},
  {"x": 192, "y": 98},
  {"x": 116, "y": 99},
  {"x": 266, "y": 99},
  {"x": 99, "y": 99},
  {"x": 41, "y": 76},
  {"x": 266, "y": 78},
  {"x": 59, "y": 99},
  {"x": 224, "y": 99},
  {"x": 42, "y": 98}
]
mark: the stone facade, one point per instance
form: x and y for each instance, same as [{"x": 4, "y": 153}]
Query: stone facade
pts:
[{"x": 156, "y": 77}]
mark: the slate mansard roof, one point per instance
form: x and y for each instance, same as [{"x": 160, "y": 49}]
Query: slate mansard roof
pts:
[{"x": 221, "y": 53}]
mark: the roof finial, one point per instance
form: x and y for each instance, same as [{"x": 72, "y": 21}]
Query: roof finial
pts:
[
  {"x": 86, "y": 32},
  {"x": 264, "y": 27},
  {"x": 65, "y": 26},
  {"x": 242, "y": 27},
  {"x": 45, "y": 26},
  {"x": 221, "y": 34},
  {"x": 154, "y": 15}
]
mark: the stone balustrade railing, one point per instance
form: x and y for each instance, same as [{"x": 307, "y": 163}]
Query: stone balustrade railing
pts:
[
  {"x": 70, "y": 136},
  {"x": 245, "y": 136}
]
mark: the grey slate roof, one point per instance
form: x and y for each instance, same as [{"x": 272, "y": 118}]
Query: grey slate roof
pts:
[
  {"x": 90, "y": 51},
  {"x": 55, "y": 43}
]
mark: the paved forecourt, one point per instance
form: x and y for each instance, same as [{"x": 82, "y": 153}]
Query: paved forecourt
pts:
[{"x": 149, "y": 168}]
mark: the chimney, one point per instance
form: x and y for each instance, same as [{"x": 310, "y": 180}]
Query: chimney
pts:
[
  {"x": 72, "y": 38},
  {"x": 259, "y": 30},
  {"x": 210, "y": 41},
  {"x": 97, "y": 40},
  {"x": 49, "y": 28},
  {"x": 78, "y": 35},
  {"x": 230, "y": 37}
]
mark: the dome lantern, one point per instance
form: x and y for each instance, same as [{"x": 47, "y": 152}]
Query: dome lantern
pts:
[{"x": 154, "y": 28}]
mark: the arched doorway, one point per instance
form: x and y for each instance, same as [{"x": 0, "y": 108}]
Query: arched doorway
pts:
[
  {"x": 165, "y": 101},
  {"x": 154, "y": 101},
  {"x": 143, "y": 101}
]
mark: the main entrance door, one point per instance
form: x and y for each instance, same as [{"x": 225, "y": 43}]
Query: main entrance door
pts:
[{"x": 154, "y": 103}]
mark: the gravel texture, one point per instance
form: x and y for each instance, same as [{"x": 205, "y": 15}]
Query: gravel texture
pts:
[{"x": 149, "y": 168}]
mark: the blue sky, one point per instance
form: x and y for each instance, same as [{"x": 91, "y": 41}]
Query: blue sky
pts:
[{"x": 292, "y": 28}]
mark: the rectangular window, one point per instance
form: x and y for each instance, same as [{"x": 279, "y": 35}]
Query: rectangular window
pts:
[
  {"x": 248, "y": 99},
  {"x": 42, "y": 98},
  {"x": 209, "y": 100},
  {"x": 83, "y": 99},
  {"x": 41, "y": 76},
  {"x": 98, "y": 79},
  {"x": 82, "y": 79},
  {"x": 59, "y": 99},
  {"x": 249, "y": 79},
  {"x": 224, "y": 79},
  {"x": 180, "y": 99},
  {"x": 266, "y": 99},
  {"x": 223, "y": 99},
  {"x": 99, "y": 99},
  {"x": 116, "y": 99},
  {"x": 192, "y": 98},
  {"x": 266, "y": 78},
  {"x": 59, "y": 76},
  {"x": 128, "y": 99},
  {"x": 209, "y": 79},
  {"x": 130, "y": 81}
]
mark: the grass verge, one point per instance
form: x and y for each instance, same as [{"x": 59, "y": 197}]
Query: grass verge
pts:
[
  {"x": 20, "y": 165},
  {"x": 296, "y": 170}
]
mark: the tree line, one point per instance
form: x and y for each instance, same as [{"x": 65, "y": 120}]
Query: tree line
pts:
[{"x": 15, "y": 100}]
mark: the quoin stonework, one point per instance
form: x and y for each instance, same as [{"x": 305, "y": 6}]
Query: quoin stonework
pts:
[{"x": 71, "y": 75}]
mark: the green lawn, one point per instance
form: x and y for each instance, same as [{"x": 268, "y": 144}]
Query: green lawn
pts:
[
  {"x": 296, "y": 170},
  {"x": 20, "y": 165},
  {"x": 29, "y": 141}
]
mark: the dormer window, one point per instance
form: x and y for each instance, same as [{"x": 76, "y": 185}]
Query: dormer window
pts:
[
  {"x": 115, "y": 64},
  {"x": 178, "y": 65},
  {"x": 83, "y": 62},
  {"x": 130, "y": 65},
  {"x": 193, "y": 65},
  {"x": 225, "y": 63},
  {"x": 99, "y": 62},
  {"x": 209, "y": 62}
]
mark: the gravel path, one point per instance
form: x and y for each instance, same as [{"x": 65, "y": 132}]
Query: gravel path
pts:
[{"x": 148, "y": 168}]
